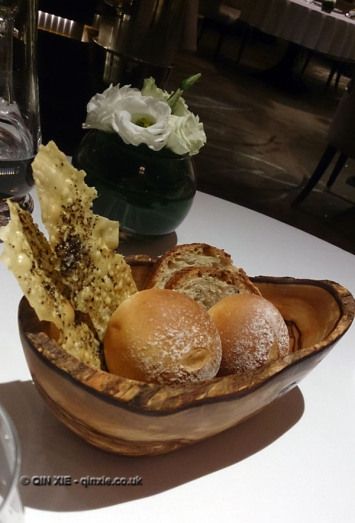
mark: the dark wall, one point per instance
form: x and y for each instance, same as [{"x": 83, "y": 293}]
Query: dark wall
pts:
[
  {"x": 63, "y": 72},
  {"x": 63, "y": 89},
  {"x": 78, "y": 10}
]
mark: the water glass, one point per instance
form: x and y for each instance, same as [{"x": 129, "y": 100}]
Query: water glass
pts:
[
  {"x": 19, "y": 104},
  {"x": 11, "y": 509}
]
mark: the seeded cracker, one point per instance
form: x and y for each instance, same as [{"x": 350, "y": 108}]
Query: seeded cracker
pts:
[
  {"x": 27, "y": 253},
  {"x": 97, "y": 277},
  {"x": 77, "y": 270}
]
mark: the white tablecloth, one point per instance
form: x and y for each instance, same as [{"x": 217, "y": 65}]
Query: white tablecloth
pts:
[
  {"x": 303, "y": 23},
  {"x": 293, "y": 462}
]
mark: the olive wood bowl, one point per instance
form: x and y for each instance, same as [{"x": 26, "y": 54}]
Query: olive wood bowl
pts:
[{"x": 135, "y": 418}]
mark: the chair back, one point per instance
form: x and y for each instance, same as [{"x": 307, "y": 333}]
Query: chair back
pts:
[{"x": 341, "y": 132}]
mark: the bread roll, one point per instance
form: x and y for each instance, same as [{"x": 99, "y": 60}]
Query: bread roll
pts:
[
  {"x": 252, "y": 331},
  {"x": 162, "y": 336}
]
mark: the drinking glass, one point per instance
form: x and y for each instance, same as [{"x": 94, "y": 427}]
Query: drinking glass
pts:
[
  {"x": 11, "y": 509},
  {"x": 19, "y": 104}
]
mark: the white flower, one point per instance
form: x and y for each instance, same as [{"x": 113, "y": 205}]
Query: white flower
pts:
[
  {"x": 135, "y": 118},
  {"x": 101, "y": 107},
  {"x": 187, "y": 134},
  {"x": 143, "y": 119},
  {"x": 150, "y": 89},
  {"x": 152, "y": 116},
  {"x": 181, "y": 108}
]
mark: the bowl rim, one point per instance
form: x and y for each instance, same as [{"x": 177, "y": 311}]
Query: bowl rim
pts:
[{"x": 157, "y": 399}]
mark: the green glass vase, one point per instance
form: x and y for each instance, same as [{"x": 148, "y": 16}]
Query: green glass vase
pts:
[{"x": 148, "y": 192}]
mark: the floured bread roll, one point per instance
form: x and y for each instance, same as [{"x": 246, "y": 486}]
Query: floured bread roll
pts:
[
  {"x": 252, "y": 330},
  {"x": 162, "y": 336}
]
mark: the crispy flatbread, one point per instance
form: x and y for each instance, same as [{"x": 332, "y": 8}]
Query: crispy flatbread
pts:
[
  {"x": 99, "y": 278},
  {"x": 75, "y": 279},
  {"x": 27, "y": 253}
]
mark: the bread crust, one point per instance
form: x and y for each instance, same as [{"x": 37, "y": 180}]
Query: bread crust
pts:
[
  {"x": 253, "y": 333},
  {"x": 184, "y": 256},
  {"x": 162, "y": 336},
  {"x": 208, "y": 285}
]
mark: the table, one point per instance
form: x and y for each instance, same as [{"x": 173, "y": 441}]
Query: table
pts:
[
  {"x": 293, "y": 462},
  {"x": 303, "y": 23}
]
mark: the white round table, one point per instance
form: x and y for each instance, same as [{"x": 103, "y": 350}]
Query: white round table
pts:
[{"x": 292, "y": 462}]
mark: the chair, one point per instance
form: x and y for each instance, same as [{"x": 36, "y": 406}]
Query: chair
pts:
[
  {"x": 221, "y": 14},
  {"x": 341, "y": 139},
  {"x": 337, "y": 67}
]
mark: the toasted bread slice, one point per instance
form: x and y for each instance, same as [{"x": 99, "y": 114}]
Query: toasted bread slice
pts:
[
  {"x": 208, "y": 285},
  {"x": 184, "y": 256}
]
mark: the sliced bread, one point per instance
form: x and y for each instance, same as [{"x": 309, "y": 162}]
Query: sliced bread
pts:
[
  {"x": 184, "y": 256},
  {"x": 208, "y": 285}
]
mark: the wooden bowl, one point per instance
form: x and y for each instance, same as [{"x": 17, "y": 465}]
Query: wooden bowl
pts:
[{"x": 134, "y": 418}]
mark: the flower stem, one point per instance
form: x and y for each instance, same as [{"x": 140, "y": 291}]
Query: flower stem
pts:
[{"x": 185, "y": 84}]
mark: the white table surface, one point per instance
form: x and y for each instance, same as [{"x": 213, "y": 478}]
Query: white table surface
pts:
[
  {"x": 293, "y": 462},
  {"x": 303, "y": 23}
]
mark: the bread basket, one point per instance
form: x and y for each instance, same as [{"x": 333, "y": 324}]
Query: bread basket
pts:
[{"x": 134, "y": 418}]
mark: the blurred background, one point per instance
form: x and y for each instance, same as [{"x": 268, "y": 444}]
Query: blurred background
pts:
[{"x": 266, "y": 111}]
